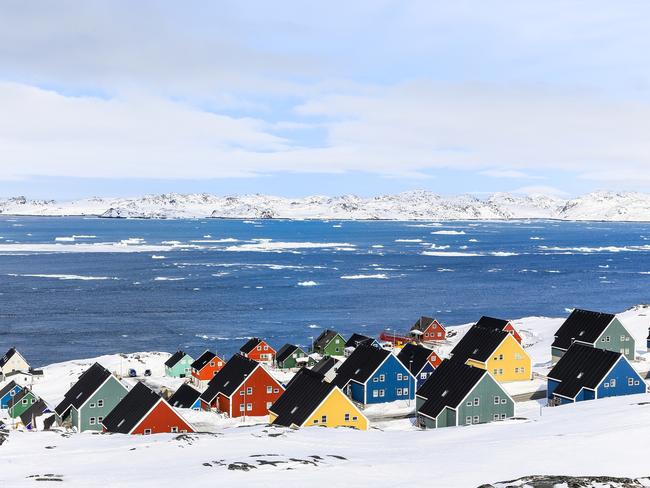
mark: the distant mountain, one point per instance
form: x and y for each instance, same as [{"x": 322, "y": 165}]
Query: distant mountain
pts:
[{"x": 412, "y": 205}]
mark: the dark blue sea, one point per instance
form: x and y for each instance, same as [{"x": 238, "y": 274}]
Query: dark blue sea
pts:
[{"x": 200, "y": 284}]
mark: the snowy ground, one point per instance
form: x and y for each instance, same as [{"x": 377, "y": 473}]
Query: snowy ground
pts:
[{"x": 601, "y": 438}]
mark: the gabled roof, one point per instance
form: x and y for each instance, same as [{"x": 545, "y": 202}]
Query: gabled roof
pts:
[
  {"x": 423, "y": 323},
  {"x": 356, "y": 340},
  {"x": 324, "y": 365},
  {"x": 8, "y": 387},
  {"x": 285, "y": 351},
  {"x": 251, "y": 344},
  {"x": 447, "y": 386},
  {"x": 325, "y": 338},
  {"x": 304, "y": 393},
  {"x": 20, "y": 395},
  {"x": 202, "y": 360},
  {"x": 131, "y": 410},
  {"x": 175, "y": 358},
  {"x": 360, "y": 365},
  {"x": 478, "y": 344},
  {"x": 184, "y": 397},
  {"x": 582, "y": 367},
  {"x": 7, "y": 356},
  {"x": 86, "y": 385},
  {"x": 414, "y": 357},
  {"x": 583, "y": 326},
  {"x": 35, "y": 410},
  {"x": 492, "y": 323},
  {"x": 230, "y": 377}
]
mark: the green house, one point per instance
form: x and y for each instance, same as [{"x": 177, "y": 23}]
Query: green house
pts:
[
  {"x": 179, "y": 365},
  {"x": 330, "y": 343},
  {"x": 90, "y": 399},
  {"x": 457, "y": 394},
  {"x": 291, "y": 356},
  {"x": 21, "y": 402}
]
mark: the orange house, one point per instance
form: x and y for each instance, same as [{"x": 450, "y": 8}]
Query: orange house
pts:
[
  {"x": 427, "y": 329},
  {"x": 258, "y": 350},
  {"x": 205, "y": 368}
]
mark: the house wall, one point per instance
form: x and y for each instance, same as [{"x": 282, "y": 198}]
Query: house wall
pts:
[
  {"x": 515, "y": 365},
  {"x": 259, "y": 380},
  {"x": 551, "y": 385},
  {"x": 335, "y": 347},
  {"x": 485, "y": 390},
  {"x": 390, "y": 369},
  {"x": 622, "y": 373},
  {"x": 435, "y": 332},
  {"x": 427, "y": 370},
  {"x": 616, "y": 338},
  {"x": 15, "y": 363},
  {"x": 356, "y": 392},
  {"x": 161, "y": 420},
  {"x": 6, "y": 400},
  {"x": 112, "y": 392},
  {"x": 181, "y": 369},
  {"x": 334, "y": 409},
  {"x": 19, "y": 407},
  {"x": 290, "y": 362},
  {"x": 262, "y": 353}
]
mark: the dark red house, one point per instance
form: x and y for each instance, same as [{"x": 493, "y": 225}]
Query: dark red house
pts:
[
  {"x": 258, "y": 350},
  {"x": 427, "y": 329},
  {"x": 499, "y": 325},
  {"x": 242, "y": 387}
]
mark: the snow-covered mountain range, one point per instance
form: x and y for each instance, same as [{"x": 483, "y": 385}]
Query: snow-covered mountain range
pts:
[{"x": 412, "y": 205}]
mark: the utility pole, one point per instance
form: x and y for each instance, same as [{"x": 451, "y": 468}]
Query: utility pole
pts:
[{"x": 410, "y": 374}]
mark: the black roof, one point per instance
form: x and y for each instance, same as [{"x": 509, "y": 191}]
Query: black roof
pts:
[
  {"x": 251, "y": 344},
  {"x": 492, "y": 323},
  {"x": 175, "y": 358},
  {"x": 325, "y": 338},
  {"x": 8, "y": 387},
  {"x": 447, "y": 386},
  {"x": 86, "y": 385},
  {"x": 35, "y": 410},
  {"x": 202, "y": 360},
  {"x": 285, "y": 351},
  {"x": 131, "y": 409},
  {"x": 7, "y": 356},
  {"x": 303, "y": 395},
  {"x": 184, "y": 397},
  {"x": 582, "y": 325},
  {"x": 422, "y": 323},
  {"x": 581, "y": 367},
  {"x": 324, "y": 365},
  {"x": 415, "y": 356},
  {"x": 360, "y": 365},
  {"x": 356, "y": 340},
  {"x": 20, "y": 395},
  {"x": 478, "y": 343},
  {"x": 228, "y": 379}
]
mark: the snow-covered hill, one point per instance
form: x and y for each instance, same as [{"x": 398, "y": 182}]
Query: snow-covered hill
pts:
[{"x": 413, "y": 205}]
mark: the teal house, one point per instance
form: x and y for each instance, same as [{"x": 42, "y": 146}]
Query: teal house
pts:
[
  {"x": 179, "y": 365},
  {"x": 90, "y": 399}
]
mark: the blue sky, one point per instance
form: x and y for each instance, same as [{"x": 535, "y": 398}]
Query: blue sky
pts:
[{"x": 297, "y": 98}]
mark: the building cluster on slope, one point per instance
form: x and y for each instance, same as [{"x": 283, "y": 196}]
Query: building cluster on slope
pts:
[{"x": 336, "y": 380}]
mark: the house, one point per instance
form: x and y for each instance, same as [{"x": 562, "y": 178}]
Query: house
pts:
[
  {"x": 20, "y": 402},
  {"x": 588, "y": 373},
  {"x": 328, "y": 367},
  {"x": 25, "y": 378},
  {"x": 8, "y": 392},
  {"x": 459, "y": 394},
  {"x": 310, "y": 400},
  {"x": 373, "y": 375},
  {"x": 179, "y": 365},
  {"x": 329, "y": 343},
  {"x": 205, "y": 368},
  {"x": 595, "y": 329},
  {"x": 34, "y": 417},
  {"x": 291, "y": 356},
  {"x": 495, "y": 350},
  {"x": 356, "y": 340},
  {"x": 499, "y": 324},
  {"x": 420, "y": 361},
  {"x": 427, "y": 329},
  {"x": 142, "y": 412},
  {"x": 12, "y": 361},
  {"x": 258, "y": 350},
  {"x": 90, "y": 399},
  {"x": 186, "y": 397},
  {"x": 242, "y": 387}
]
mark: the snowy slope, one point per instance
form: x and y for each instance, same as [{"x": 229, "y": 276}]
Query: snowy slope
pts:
[{"x": 413, "y": 205}]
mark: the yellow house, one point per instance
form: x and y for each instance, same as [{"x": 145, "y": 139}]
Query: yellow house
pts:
[
  {"x": 496, "y": 351},
  {"x": 309, "y": 400}
]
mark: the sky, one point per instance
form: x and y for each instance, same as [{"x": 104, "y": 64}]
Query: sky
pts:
[{"x": 122, "y": 98}]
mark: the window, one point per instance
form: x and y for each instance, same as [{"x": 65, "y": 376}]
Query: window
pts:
[
  {"x": 503, "y": 416},
  {"x": 497, "y": 400},
  {"x": 500, "y": 357},
  {"x": 92, "y": 405},
  {"x": 469, "y": 403},
  {"x": 475, "y": 420},
  {"x": 174, "y": 430},
  {"x": 606, "y": 385},
  {"x": 477, "y": 401},
  {"x": 337, "y": 341},
  {"x": 92, "y": 421},
  {"x": 276, "y": 390},
  {"x": 495, "y": 372},
  {"x": 399, "y": 392},
  {"x": 212, "y": 364},
  {"x": 269, "y": 389},
  {"x": 268, "y": 405},
  {"x": 516, "y": 370},
  {"x": 468, "y": 420},
  {"x": 518, "y": 356},
  {"x": 503, "y": 401},
  {"x": 381, "y": 393},
  {"x": 242, "y": 407},
  {"x": 24, "y": 401},
  {"x": 347, "y": 417},
  {"x": 354, "y": 419},
  {"x": 500, "y": 370},
  {"x": 375, "y": 379},
  {"x": 147, "y": 431},
  {"x": 323, "y": 419},
  {"x": 405, "y": 391},
  {"x": 100, "y": 420},
  {"x": 315, "y": 421},
  {"x": 627, "y": 351},
  {"x": 496, "y": 416},
  {"x": 266, "y": 348},
  {"x": 636, "y": 383},
  {"x": 12, "y": 393},
  {"x": 630, "y": 382},
  {"x": 423, "y": 376},
  {"x": 249, "y": 407},
  {"x": 399, "y": 377},
  {"x": 259, "y": 348},
  {"x": 100, "y": 403},
  {"x": 249, "y": 390},
  {"x": 612, "y": 382},
  {"x": 622, "y": 338},
  {"x": 241, "y": 392},
  {"x": 382, "y": 377}
]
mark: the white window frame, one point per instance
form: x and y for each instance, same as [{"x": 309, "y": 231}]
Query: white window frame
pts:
[
  {"x": 100, "y": 403},
  {"x": 92, "y": 421}
]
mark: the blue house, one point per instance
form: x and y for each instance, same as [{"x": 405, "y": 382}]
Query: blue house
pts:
[
  {"x": 8, "y": 392},
  {"x": 588, "y": 373},
  {"x": 186, "y": 397},
  {"x": 372, "y": 375},
  {"x": 420, "y": 361}
]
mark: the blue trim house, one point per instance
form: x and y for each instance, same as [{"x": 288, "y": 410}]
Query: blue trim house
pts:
[
  {"x": 419, "y": 360},
  {"x": 8, "y": 392},
  {"x": 372, "y": 375},
  {"x": 586, "y": 373}
]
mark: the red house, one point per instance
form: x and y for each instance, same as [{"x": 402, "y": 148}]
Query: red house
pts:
[
  {"x": 205, "y": 367},
  {"x": 258, "y": 350},
  {"x": 142, "y": 411},
  {"x": 427, "y": 329},
  {"x": 500, "y": 325},
  {"x": 242, "y": 387}
]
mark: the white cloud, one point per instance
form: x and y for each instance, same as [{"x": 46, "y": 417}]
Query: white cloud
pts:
[{"x": 509, "y": 174}]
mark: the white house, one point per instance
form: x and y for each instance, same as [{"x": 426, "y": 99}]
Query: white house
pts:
[{"x": 13, "y": 361}]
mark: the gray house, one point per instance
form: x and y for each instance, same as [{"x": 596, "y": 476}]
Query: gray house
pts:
[{"x": 595, "y": 329}]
